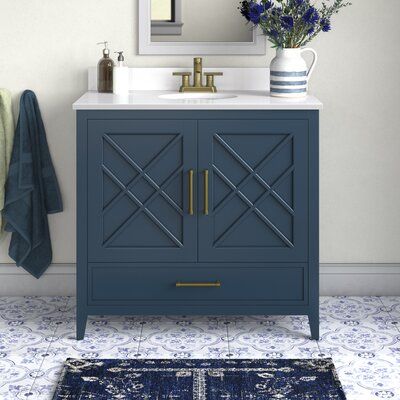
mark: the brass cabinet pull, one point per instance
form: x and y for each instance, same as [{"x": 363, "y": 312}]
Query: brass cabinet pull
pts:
[
  {"x": 198, "y": 284},
  {"x": 206, "y": 194},
  {"x": 191, "y": 176}
]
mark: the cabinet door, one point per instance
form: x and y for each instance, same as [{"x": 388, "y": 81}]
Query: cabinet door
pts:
[
  {"x": 258, "y": 190},
  {"x": 138, "y": 190}
]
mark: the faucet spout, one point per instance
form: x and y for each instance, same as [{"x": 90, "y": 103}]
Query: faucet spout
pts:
[{"x": 198, "y": 72}]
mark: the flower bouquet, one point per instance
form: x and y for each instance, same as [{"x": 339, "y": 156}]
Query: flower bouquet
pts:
[{"x": 289, "y": 25}]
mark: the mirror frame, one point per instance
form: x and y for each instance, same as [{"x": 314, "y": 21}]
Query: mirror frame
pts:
[{"x": 146, "y": 46}]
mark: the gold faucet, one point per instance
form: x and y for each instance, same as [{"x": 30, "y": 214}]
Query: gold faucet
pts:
[{"x": 198, "y": 78}]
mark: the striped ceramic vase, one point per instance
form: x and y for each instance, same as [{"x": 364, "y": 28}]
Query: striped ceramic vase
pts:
[{"x": 289, "y": 73}]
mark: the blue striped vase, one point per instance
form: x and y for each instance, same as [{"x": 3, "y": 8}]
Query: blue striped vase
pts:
[{"x": 289, "y": 73}]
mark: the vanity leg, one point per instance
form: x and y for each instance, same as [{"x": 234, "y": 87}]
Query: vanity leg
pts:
[
  {"x": 313, "y": 319},
  {"x": 81, "y": 319}
]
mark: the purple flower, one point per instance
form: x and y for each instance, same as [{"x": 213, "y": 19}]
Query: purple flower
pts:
[
  {"x": 311, "y": 16},
  {"x": 299, "y": 2},
  {"x": 287, "y": 22},
  {"x": 325, "y": 24}
]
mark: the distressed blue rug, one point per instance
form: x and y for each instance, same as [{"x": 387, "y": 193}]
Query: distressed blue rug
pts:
[{"x": 199, "y": 380}]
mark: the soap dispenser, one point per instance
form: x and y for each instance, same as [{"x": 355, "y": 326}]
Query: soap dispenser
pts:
[
  {"x": 121, "y": 76},
  {"x": 105, "y": 71}
]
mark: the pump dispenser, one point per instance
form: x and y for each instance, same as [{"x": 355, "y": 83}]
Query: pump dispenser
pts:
[
  {"x": 121, "y": 76},
  {"x": 105, "y": 71}
]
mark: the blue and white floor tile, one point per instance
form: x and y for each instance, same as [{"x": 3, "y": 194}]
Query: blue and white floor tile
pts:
[
  {"x": 361, "y": 334},
  {"x": 27, "y": 327}
]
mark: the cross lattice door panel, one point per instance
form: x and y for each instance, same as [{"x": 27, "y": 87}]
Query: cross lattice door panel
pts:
[
  {"x": 258, "y": 190},
  {"x": 138, "y": 190}
]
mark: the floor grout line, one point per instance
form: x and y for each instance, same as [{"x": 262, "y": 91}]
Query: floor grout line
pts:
[
  {"x": 140, "y": 338},
  {"x": 228, "y": 340},
  {"x": 390, "y": 315},
  {"x": 317, "y": 341},
  {"x": 49, "y": 346}
]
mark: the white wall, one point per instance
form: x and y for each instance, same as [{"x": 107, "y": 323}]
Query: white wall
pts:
[{"x": 47, "y": 45}]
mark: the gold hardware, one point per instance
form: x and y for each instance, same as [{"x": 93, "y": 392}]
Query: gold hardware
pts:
[
  {"x": 185, "y": 79},
  {"x": 191, "y": 175},
  {"x": 210, "y": 79},
  {"x": 197, "y": 85},
  {"x": 206, "y": 192},
  {"x": 198, "y": 284},
  {"x": 198, "y": 72}
]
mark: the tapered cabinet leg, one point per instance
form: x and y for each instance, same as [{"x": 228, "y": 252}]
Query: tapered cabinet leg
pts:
[
  {"x": 81, "y": 319},
  {"x": 314, "y": 325}
]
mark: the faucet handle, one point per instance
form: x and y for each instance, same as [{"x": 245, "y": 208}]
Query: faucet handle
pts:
[
  {"x": 181, "y": 73},
  {"x": 210, "y": 79},
  {"x": 185, "y": 79}
]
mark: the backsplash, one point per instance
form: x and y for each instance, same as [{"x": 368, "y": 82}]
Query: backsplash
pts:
[{"x": 162, "y": 79}]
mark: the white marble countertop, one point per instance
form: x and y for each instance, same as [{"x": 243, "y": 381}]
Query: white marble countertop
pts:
[{"x": 150, "y": 100}]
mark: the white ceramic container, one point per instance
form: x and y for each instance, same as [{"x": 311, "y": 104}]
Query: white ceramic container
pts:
[{"x": 289, "y": 74}]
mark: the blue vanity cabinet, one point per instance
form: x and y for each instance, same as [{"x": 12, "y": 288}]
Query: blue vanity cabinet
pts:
[
  {"x": 258, "y": 197},
  {"x": 137, "y": 190},
  {"x": 197, "y": 212}
]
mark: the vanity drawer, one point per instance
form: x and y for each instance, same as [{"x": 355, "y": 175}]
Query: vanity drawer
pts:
[{"x": 264, "y": 283}]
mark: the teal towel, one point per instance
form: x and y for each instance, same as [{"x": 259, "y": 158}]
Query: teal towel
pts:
[
  {"x": 6, "y": 143},
  {"x": 32, "y": 191}
]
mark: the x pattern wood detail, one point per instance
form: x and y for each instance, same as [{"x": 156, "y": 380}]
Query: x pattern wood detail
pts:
[
  {"x": 239, "y": 189},
  {"x": 142, "y": 172}
]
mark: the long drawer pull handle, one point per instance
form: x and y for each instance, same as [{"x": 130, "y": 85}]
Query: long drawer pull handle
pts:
[
  {"x": 198, "y": 284},
  {"x": 206, "y": 195},
  {"x": 191, "y": 176}
]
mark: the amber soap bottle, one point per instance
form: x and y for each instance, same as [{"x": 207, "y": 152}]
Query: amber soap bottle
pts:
[{"x": 105, "y": 69}]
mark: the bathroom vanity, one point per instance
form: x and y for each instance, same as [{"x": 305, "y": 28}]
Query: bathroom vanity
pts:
[{"x": 197, "y": 206}]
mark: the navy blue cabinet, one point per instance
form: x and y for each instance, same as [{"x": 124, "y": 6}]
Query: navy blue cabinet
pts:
[
  {"x": 258, "y": 180},
  {"x": 138, "y": 188},
  {"x": 197, "y": 212}
]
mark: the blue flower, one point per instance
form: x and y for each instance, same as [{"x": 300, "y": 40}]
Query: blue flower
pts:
[
  {"x": 311, "y": 31},
  {"x": 255, "y": 11},
  {"x": 325, "y": 24},
  {"x": 245, "y": 9},
  {"x": 274, "y": 33},
  {"x": 268, "y": 5},
  {"x": 287, "y": 22},
  {"x": 311, "y": 16},
  {"x": 299, "y": 2},
  {"x": 276, "y": 11}
]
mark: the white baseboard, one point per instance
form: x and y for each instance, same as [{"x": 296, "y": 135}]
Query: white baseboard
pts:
[
  {"x": 335, "y": 279},
  {"x": 58, "y": 280},
  {"x": 360, "y": 279}
]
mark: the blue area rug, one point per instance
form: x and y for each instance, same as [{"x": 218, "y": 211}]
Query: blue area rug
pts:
[{"x": 199, "y": 380}]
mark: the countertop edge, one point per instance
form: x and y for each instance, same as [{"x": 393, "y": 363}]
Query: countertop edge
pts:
[
  {"x": 149, "y": 100},
  {"x": 198, "y": 108}
]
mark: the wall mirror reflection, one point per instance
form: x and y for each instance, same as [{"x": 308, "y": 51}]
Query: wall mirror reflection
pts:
[{"x": 196, "y": 27}]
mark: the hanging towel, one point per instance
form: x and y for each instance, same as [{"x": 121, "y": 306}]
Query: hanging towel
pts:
[
  {"x": 32, "y": 191},
  {"x": 6, "y": 144}
]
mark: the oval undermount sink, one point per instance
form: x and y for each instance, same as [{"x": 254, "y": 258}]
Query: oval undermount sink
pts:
[{"x": 197, "y": 96}]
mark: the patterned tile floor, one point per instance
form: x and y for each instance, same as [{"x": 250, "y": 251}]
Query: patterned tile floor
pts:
[{"x": 361, "y": 334}]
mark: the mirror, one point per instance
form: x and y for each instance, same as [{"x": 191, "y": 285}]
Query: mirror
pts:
[
  {"x": 198, "y": 21},
  {"x": 196, "y": 27}
]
